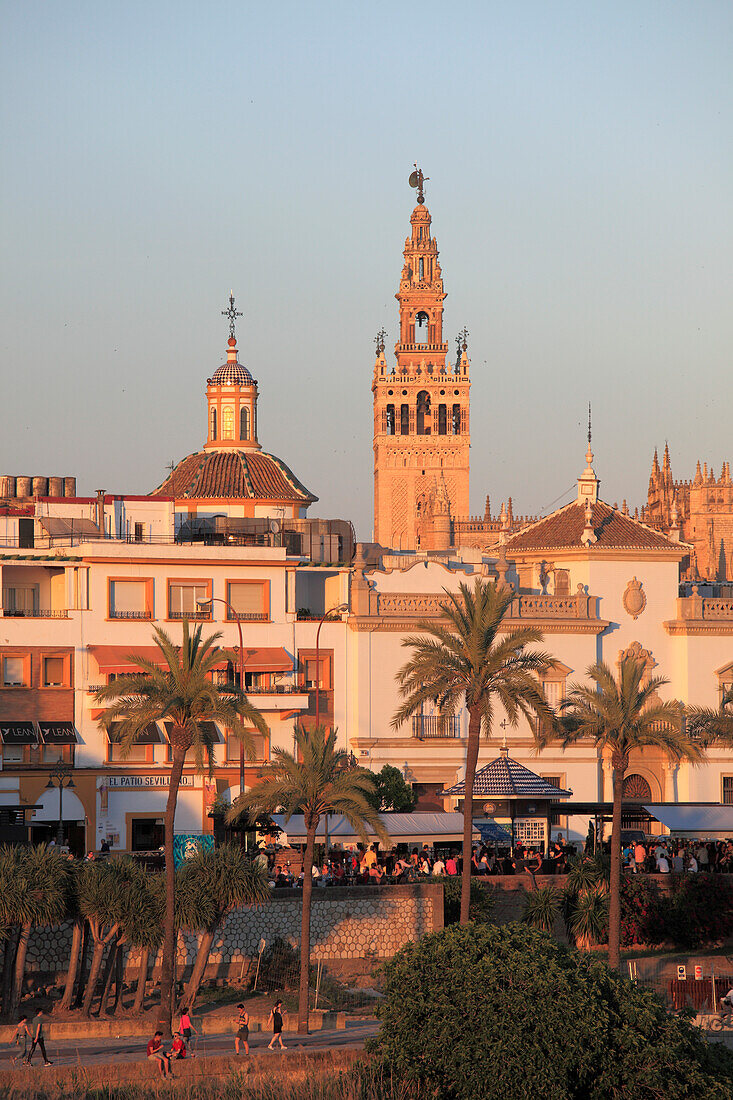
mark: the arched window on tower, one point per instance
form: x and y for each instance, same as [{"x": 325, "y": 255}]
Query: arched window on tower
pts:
[
  {"x": 244, "y": 422},
  {"x": 213, "y": 424},
  {"x": 421, "y": 269},
  {"x": 404, "y": 420},
  {"x": 227, "y": 422},
  {"x": 390, "y": 420},
  {"x": 442, "y": 420},
  {"x": 423, "y": 413},
  {"x": 456, "y": 423},
  {"x": 421, "y": 327}
]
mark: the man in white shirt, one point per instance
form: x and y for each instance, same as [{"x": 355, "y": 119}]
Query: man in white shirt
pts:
[
  {"x": 439, "y": 867},
  {"x": 662, "y": 865}
]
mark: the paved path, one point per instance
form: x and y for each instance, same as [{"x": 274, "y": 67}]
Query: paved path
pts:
[{"x": 90, "y": 1052}]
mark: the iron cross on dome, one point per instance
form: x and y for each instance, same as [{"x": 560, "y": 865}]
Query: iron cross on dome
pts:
[{"x": 232, "y": 314}]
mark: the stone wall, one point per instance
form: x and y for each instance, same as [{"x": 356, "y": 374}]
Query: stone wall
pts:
[{"x": 368, "y": 922}]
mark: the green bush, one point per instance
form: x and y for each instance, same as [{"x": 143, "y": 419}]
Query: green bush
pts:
[
  {"x": 541, "y": 907},
  {"x": 497, "y": 1012},
  {"x": 481, "y": 903},
  {"x": 699, "y": 909},
  {"x": 642, "y": 916}
]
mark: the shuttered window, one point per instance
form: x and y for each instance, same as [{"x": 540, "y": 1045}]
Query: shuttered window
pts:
[{"x": 249, "y": 599}]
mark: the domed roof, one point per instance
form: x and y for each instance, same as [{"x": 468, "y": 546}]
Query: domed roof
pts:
[
  {"x": 234, "y": 474},
  {"x": 231, "y": 374}
]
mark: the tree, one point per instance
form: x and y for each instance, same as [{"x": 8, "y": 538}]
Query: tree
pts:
[
  {"x": 462, "y": 657},
  {"x": 503, "y": 1011},
  {"x": 315, "y": 781},
  {"x": 41, "y": 898},
  {"x": 712, "y": 727},
  {"x": 223, "y": 880},
  {"x": 183, "y": 693},
  {"x": 392, "y": 792},
  {"x": 73, "y": 912},
  {"x": 622, "y": 715}
]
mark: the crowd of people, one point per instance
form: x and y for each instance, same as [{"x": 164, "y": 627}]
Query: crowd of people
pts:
[{"x": 666, "y": 856}]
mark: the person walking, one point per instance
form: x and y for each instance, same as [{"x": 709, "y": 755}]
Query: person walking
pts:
[
  {"x": 157, "y": 1054},
  {"x": 22, "y": 1032},
  {"x": 242, "y": 1035},
  {"x": 185, "y": 1027},
  {"x": 38, "y": 1039},
  {"x": 277, "y": 1026}
]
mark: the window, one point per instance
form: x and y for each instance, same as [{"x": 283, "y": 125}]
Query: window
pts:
[
  {"x": 15, "y": 671},
  {"x": 227, "y": 422},
  {"x": 456, "y": 422},
  {"x": 249, "y": 599},
  {"x": 562, "y": 582},
  {"x": 554, "y": 691},
  {"x": 421, "y": 327},
  {"x": 21, "y": 599},
  {"x": 138, "y": 532},
  {"x": 556, "y": 780},
  {"x": 727, "y": 790},
  {"x": 213, "y": 424},
  {"x": 442, "y": 420},
  {"x": 244, "y": 423},
  {"x": 312, "y": 679},
  {"x": 53, "y": 672},
  {"x": 12, "y": 754},
  {"x": 421, "y": 269},
  {"x": 53, "y": 754},
  {"x": 404, "y": 420},
  {"x": 390, "y": 420},
  {"x": 423, "y": 413},
  {"x": 138, "y": 754},
  {"x": 129, "y": 600},
  {"x": 184, "y": 600}
]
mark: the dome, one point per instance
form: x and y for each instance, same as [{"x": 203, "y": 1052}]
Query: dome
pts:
[
  {"x": 231, "y": 475},
  {"x": 231, "y": 374}
]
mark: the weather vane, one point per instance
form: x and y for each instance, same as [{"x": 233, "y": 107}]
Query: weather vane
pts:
[
  {"x": 379, "y": 341},
  {"x": 463, "y": 338},
  {"x": 589, "y": 429},
  {"x": 417, "y": 179},
  {"x": 232, "y": 314}
]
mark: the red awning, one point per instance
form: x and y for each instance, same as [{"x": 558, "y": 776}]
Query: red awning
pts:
[
  {"x": 116, "y": 658},
  {"x": 266, "y": 659}
]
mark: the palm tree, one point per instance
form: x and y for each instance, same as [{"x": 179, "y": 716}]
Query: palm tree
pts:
[
  {"x": 461, "y": 657},
  {"x": 226, "y": 879},
  {"x": 710, "y": 726},
  {"x": 41, "y": 900},
  {"x": 182, "y": 692},
  {"x": 621, "y": 715},
  {"x": 315, "y": 781}
]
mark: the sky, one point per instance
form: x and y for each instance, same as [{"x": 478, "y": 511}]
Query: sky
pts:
[{"x": 156, "y": 155}]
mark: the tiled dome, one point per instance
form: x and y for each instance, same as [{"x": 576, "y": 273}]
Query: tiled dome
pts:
[
  {"x": 234, "y": 474},
  {"x": 231, "y": 374}
]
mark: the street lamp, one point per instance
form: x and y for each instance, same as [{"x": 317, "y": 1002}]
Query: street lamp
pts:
[
  {"x": 60, "y": 777},
  {"x": 331, "y": 611},
  {"x": 203, "y": 605}
]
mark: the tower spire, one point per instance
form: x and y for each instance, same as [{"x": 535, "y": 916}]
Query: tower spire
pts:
[
  {"x": 588, "y": 483},
  {"x": 232, "y": 314}
]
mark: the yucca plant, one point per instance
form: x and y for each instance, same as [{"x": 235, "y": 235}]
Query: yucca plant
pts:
[
  {"x": 587, "y": 920},
  {"x": 542, "y": 907},
  {"x": 584, "y": 873},
  {"x": 40, "y": 898}
]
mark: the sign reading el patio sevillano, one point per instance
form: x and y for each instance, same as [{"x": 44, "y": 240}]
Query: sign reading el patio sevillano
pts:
[{"x": 149, "y": 781}]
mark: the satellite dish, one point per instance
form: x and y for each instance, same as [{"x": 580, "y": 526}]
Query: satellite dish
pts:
[{"x": 414, "y": 179}]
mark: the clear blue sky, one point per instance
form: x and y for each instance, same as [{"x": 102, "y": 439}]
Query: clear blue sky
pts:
[{"x": 157, "y": 154}]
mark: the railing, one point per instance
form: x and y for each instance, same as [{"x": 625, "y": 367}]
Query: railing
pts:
[
  {"x": 249, "y": 616},
  {"x": 193, "y": 616},
  {"x": 426, "y": 726},
  {"x": 709, "y": 608},
  {"x": 277, "y": 689},
  {"x": 39, "y": 613},
  {"x": 130, "y": 615}
]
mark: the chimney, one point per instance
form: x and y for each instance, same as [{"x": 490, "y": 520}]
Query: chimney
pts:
[{"x": 99, "y": 508}]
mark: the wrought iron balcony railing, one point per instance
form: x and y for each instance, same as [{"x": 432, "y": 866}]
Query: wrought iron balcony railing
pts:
[{"x": 426, "y": 726}]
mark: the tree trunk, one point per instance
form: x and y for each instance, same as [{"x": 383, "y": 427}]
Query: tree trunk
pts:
[
  {"x": 19, "y": 970},
  {"x": 119, "y": 962},
  {"x": 614, "y": 901},
  {"x": 305, "y": 927},
  {"x": 73, "y": 965},
  {"x": 82, "y": 966},
  {"x": 97, "y": 956},
  {"x": 142, "y": 980},
  {"x": 109, "y": 970},
  {"x": 199, "y": 967},
  {"x": 474, "y": 730},
  {"x": 165, "y": 1013},
  {"x": 11, "y": 946}
]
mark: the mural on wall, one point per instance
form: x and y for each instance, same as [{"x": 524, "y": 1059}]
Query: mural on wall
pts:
[{"x": 186, "y": 845}]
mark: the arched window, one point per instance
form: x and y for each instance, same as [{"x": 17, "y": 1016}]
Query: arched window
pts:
[
  {"x": 421, "y": 269},
  {"x": 227, "y": 422},
  {"x": 404, "y": 420},
  {"x": 421, "y": 327},
  {"x": 423, "y": 413},
  {"x": 456, "y": 424},
  {"x": 636, "y": 789},
  {"x": 442, "y": 420},
  {"x": 213, "y": 424},
  {"x": 390, "y": 420},
  {"x": 244, "y": 422}
]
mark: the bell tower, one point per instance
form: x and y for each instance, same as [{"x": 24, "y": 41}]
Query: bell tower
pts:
[{"x": 421, "y": 403}]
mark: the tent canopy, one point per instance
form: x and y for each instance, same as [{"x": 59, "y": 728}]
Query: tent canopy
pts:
[
  {"x": 694, "y": 820},
  {"x": 403, "y": 828}
]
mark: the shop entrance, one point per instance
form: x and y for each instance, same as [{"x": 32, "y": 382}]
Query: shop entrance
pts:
[
  {"x": 146, "y": 834},
  {"x": 74, "y": 835}
]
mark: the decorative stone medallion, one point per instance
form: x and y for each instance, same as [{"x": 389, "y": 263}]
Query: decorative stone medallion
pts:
[{"x": 634, "y": 598}]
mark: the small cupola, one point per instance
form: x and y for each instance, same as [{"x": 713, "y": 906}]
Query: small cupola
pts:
[{"x": 231, "y": 396}]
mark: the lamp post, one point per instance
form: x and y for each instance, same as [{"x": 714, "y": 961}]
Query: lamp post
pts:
[
  {"x": 331, "y": 611},
  {"x": 203, "y": 604},
  {"x": 60, "y": 777}
]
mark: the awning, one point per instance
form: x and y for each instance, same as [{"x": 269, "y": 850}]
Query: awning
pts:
[
  {"x": 266, "y": 659},
  {"x": 64, "y": 526},
  {"x": 151, "y": 735},
  {"x": 57, "y": 733},
  {"x": 402, "y": 828},
  {"x": 210, "y": 730},
  {"x": 18, "y": 733},
  {"x": 116, "y": 658},
  {"x": 490, "y": 831},
  {"x": 694, "y": 820}
]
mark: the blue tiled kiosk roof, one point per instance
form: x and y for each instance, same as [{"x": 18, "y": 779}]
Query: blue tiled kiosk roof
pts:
[{"x": 505, "y": 778}]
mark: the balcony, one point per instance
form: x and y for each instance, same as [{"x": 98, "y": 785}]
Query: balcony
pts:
[
  {"x": 427, "y": 727},
  {"x": 130, "y": 615},
  {"x": 36, "y": 613},
  {"x": 249, "y": 617},
  {"x": 192, "y": 616}
]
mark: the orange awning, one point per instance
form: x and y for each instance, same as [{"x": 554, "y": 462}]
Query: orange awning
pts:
[
  {"x": 116, "y": 658},
  {"x": 266, "y": 659}
]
